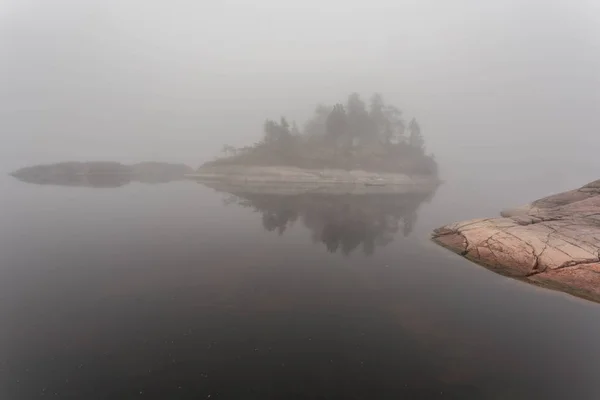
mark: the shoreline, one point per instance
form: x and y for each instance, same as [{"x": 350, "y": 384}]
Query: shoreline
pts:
[
  {"x": 553, "y": 242},
  {"x": 292, "y": 180},
  {"x": 286, "y": 174}
]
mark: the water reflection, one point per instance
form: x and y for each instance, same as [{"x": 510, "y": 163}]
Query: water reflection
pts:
[
  {"x": 342, "y": 222},
  {"x": 101, "y": 180},
  {"x": 96, "y": 181}
]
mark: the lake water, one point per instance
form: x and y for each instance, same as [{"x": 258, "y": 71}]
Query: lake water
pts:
[{"x": 178, "y": 291}]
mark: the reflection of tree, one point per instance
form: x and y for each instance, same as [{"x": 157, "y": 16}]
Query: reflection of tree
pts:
[
  {"x": 342, "y": 222},
  {"x": 278, "y": 219},
  {"x": 409, "y": 222}
]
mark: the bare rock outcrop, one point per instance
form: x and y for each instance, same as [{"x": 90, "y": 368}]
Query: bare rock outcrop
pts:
[
  {"x": 553, "y": 242},
  {"x": 297, "y": 180},
  {"x": 101, "y": 173}
]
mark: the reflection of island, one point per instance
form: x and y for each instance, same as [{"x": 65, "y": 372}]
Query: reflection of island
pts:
[
  {"x": 341, "y": 221},
  {"x": 101, "y": 174}
]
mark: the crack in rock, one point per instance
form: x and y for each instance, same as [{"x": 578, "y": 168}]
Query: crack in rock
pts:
[{"x": 555, "y": 233}]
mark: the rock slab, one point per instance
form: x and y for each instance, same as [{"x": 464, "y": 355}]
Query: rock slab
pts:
[
  {"x": 297, "y": 180},
  {"x": 101, "y": 173},
  {"x": 553, "y": 242}
]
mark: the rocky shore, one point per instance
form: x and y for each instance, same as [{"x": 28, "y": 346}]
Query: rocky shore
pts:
[
  {"x": 553, "y": 242},
  {"x": 101, "y": 173},
  {"x": 292, "y": 179}
]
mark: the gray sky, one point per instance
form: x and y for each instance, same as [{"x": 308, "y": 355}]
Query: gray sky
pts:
[{"x": 174, "y": 80}]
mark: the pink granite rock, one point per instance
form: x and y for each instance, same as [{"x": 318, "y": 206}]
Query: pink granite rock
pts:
[{"x": 553, "y": 242}]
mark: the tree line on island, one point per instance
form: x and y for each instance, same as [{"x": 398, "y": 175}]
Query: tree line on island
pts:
[{"x": 348, "y": 135}]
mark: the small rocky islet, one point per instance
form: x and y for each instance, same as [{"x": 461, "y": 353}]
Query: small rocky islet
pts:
[
  {"x": 101, "y": 173},
  {"x": 553, "y": 242},
  {"x": 348, "y": 144},
  {"x": 349, "y": 147}
]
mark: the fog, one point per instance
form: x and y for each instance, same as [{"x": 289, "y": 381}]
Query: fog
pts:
[
  {"x": 122, "y": 279},
  {"x": 497, "y": 86}
]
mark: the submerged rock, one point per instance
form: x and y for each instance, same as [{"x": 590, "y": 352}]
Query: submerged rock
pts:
[
  {"x": 101, "y": 173},
  {"x": 553, "y": 242}
]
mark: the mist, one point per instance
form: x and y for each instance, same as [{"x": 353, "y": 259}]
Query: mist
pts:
[
  {"x": 493, "y": 83},
  {"x": 124, "y": 272}
]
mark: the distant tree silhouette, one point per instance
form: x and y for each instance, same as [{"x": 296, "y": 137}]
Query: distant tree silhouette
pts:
[
  {"x": 317, "y": 125},
  {"x": 228, "y": 149},
  {"x": 395, "y": 125},
  {"x": 337, "y": 123},
  {"x": 294, "y": 130},
  {"x": 276, "y": 132},
  {"x": 285, "y": 127},
  {"x": 416, "y": 139},
  {"x": 379, "y": 120},
  {"x": 360, "y": 125},
  {"x": 345, "y": 136},
  {"x": 271, "y": 132}
]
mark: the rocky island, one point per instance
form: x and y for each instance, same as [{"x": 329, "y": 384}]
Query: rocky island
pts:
[
  {"x": 101, "y": 173},
  {"x": 553, "y": 242},
  {"x": 344, "y": 144}
]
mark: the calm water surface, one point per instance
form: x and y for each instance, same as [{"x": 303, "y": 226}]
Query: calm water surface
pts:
[{"x": 178, "y": 291}]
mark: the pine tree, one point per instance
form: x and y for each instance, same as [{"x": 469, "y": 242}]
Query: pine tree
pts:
[
  {"x": 337, "y": 124},
  {"x": 416, "y": 139},
  {"x": 294, "y": 130}
]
